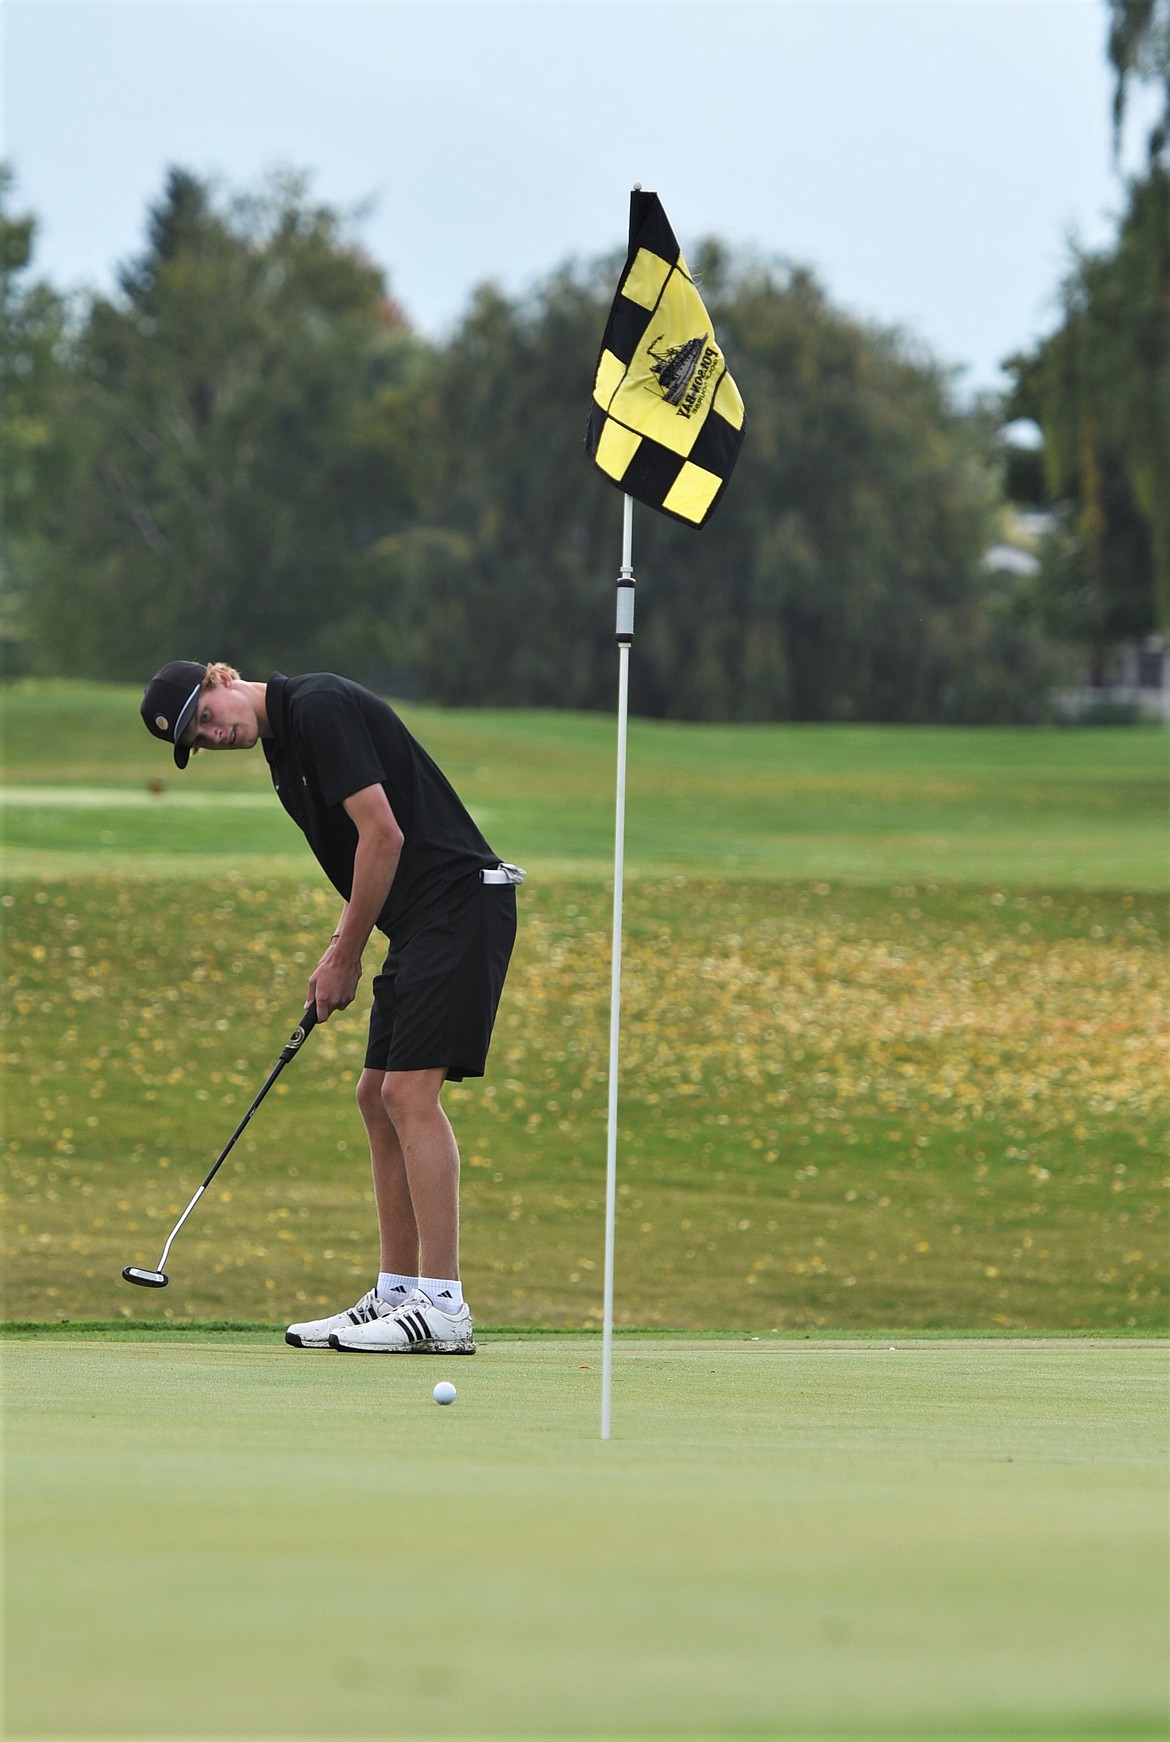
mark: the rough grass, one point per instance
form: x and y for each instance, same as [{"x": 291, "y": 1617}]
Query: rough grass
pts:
[{"x": 840, "y": 1107}]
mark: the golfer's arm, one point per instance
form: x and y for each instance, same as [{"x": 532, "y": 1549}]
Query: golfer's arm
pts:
[{"x": 375, "y": 862}]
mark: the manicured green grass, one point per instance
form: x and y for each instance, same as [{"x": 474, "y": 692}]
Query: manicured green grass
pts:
[
  {"x": 226, "y": 1536},
  {"x": 864, "y": 804}
]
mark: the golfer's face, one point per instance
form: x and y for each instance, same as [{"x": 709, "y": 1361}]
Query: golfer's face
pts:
[{"x": 224, "y": 720}]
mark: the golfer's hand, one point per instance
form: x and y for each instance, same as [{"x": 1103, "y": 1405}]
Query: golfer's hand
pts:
[{"x": 333, "y": 983}]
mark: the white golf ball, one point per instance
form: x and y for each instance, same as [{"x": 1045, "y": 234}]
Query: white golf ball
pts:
[{"x": 444, "y": 1392}]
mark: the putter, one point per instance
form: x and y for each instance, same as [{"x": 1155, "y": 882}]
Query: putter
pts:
[{"x": 159, "y": 1278}]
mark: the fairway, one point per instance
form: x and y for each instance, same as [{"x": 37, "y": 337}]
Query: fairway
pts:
[
  {"x": 926, "y": 1091},
  {"x": 863, "y": 804},
  {"x": 238, "y": 1538}
]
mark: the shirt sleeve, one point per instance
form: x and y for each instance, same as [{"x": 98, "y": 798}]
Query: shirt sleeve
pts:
[{"x": 337, "y": 743}]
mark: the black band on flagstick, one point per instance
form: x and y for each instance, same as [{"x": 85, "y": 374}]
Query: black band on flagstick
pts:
[{"x": 625, "y": 609}]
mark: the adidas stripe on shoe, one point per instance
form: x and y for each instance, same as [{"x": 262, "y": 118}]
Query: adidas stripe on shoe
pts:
[
  {"x": 315, "y": 1333},
  {"x": 417, "y": 1327}
]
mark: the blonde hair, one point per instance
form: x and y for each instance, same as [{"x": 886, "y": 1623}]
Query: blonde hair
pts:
[
  {"x": 215, "y": 674},
  {"x": 213, "y": 677}
]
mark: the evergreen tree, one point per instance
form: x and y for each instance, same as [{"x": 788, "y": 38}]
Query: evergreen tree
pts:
[
  {"x": 244, "y": 411},
  {"x": 1139, "y": 53},
  {"x": 33, "y": 338}
]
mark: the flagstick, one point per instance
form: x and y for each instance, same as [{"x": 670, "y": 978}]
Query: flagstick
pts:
[{"x": 625, "y": 635}]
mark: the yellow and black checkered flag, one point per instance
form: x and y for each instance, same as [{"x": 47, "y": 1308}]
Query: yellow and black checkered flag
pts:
[{"x": 666, "y": 423}]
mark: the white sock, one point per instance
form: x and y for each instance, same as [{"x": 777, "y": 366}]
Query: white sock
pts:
[
  {"x": 442, "y": 1293},
  {"x": 393, "y": 1288}
]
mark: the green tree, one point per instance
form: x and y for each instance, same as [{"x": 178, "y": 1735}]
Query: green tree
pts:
[
  {"x": 246, "y": 435},
  {"x": 1099, "y": 387},
  {"x": 502, "y": 592},
  {"x": 839, "y": 579},
  {"x": 264, "y": 464},
  {"x": 1139, "y": 53},
  {"x": 33, "y": 338}
]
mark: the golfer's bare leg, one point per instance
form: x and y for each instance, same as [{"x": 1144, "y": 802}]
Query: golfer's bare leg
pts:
[
  {"x": 397, "y": 1228},
  {"x": 431, "y": 1158}
]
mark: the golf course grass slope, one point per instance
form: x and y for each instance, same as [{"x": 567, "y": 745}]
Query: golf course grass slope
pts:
[
  {"x": 938, "y": 1100},
  {"x": 890, "y": 1374}
]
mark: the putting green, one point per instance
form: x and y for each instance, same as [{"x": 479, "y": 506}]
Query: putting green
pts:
[{"x": 219, "y": 1535}]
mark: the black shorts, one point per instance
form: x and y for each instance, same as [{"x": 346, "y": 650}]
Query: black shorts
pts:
[{"x": 436, "y": 998}]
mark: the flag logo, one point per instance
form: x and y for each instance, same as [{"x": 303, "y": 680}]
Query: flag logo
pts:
[
  {"x": 667, "y": 421},
  {"x": 676, "y": 368}
]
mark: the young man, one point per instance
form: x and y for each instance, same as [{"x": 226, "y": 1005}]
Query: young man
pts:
[{"x": 392, "y": 837}]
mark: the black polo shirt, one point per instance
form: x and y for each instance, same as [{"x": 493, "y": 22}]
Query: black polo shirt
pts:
[{"x": 332, "y": 738}]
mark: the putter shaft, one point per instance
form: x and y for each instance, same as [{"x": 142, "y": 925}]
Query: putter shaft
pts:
[{"x": 151, "y": 1279}]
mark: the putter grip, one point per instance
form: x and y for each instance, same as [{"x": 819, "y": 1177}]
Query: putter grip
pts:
[{"x": 300, "y": 1033}]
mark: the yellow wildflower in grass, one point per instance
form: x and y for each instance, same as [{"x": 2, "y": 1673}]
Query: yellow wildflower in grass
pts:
[{"x": 838, "y": 1107}]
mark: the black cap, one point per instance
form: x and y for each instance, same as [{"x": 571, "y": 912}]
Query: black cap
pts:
[{"x": 170, "y": 701}]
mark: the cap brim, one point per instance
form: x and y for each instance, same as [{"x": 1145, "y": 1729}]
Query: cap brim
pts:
[{"x": 182, "y": 751}]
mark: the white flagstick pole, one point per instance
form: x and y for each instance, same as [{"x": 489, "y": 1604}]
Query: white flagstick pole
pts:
[{"x": 625, "y": 635}]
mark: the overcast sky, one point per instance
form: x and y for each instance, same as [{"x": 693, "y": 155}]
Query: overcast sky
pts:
[{"x": 930, "y": 159}]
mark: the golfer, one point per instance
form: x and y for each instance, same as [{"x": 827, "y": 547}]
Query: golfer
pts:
[{"x": 392, "y": 837}]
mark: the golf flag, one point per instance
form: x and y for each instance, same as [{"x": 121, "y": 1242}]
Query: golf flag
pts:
[{"x": 666, "y": 423}]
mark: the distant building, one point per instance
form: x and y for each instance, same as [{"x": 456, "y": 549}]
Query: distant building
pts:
[
  {"x": 1016, "y": 552},
  {"x": 1009, "y": 559},
  {"x": 1133, "y": 676},
  {"x": 1131, "y": 679}
]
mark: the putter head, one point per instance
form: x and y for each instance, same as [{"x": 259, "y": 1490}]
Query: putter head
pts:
[{"x": 146, "y": 1278}]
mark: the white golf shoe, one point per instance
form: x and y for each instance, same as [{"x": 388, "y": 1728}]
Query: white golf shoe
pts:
[
  {"x": 315, "y": 1334},
  {"x": 417, "y": 1327}
]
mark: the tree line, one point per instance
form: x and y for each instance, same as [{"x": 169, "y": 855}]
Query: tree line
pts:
[
  {"x": 245, "y": 452},
  {"x": 1099, "y": 386}
]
